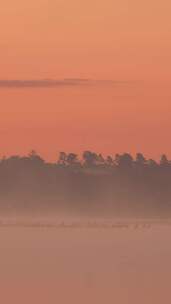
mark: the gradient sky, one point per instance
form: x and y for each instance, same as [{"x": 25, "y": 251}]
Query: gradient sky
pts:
[{"x": 127, "y": 41}]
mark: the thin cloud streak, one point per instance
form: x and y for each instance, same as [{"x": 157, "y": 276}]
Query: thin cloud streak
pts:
[{"x": 50, "y": 83}]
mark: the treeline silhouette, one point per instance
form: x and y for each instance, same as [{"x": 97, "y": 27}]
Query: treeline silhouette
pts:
[{"x": 92, "y": 184}]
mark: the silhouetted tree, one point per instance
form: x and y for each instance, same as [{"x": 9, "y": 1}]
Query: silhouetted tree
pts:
[
  {"x": 90, "y": 158},
  {"x": 164, "y": 161},
  {"x": 152, "y": 163},
  {"x": 109, "y": 160},
  {"x": 72, "y": 159},
  {"x": 100, "y": 159},
  {"x": 140, "y": 159},
  {"x": 62, "y": 158},
  {"x": 125, "y": 160},
  {"x": 34, "y": 157}
]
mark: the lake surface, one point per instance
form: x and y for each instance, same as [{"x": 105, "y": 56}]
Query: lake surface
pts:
[{"x": 77, "y": 266}]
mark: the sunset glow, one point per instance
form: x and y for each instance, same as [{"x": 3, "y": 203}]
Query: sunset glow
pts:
[{"x": 124, "y": 41}]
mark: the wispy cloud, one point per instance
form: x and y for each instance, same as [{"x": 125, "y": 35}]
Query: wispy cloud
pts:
[{"x": 50, "y": 83}]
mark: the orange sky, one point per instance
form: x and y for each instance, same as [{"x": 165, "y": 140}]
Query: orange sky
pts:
[{"x": 105, "y": 39}]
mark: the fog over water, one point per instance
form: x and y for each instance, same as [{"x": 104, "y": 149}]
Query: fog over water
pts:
[{"x": 85, "y": 265}]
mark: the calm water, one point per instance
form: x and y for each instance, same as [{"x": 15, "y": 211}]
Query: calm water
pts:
[{"x": 122, "y": 266}]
